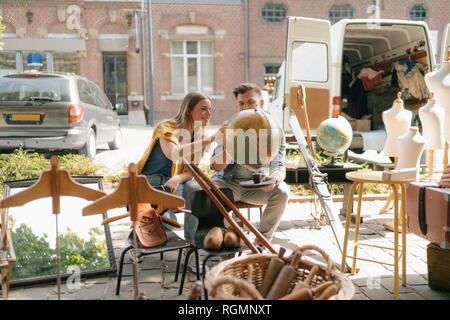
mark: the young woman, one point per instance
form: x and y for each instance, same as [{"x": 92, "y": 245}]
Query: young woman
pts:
[{"x": 184, "y": 135}]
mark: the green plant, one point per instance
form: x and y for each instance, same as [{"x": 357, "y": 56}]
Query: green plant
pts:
[
  {"x": 2, "y": 29},
  {"x": 335, "y": 189},
  {"x": 79, "y": 165},
  {"x": 22, "y": 164}
]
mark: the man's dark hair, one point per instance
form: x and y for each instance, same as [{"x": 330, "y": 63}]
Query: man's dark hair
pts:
[{"x": 245, "y": 87}]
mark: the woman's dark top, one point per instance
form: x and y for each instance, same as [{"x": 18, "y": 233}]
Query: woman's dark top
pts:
[{"x": 157, "y": 162}]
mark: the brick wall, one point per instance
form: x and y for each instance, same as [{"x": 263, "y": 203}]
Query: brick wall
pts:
[{"x": 225, "y": 22}]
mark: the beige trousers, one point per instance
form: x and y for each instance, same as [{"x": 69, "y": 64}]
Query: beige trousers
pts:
[{"x": 275, "y": 201}]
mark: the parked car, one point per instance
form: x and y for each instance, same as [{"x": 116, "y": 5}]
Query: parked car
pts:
[{"x": 56, "y": 111}]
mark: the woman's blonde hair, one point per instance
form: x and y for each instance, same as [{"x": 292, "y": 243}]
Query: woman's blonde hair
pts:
[{"x": 183, "y": 119}]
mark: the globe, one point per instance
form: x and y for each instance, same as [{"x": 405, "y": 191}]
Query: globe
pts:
[
  {"x": 334, "y": 136},
  {"x": 252, "y": 138}
]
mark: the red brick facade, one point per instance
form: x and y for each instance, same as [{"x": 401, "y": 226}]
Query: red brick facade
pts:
[{"x": 226, "y": 25}]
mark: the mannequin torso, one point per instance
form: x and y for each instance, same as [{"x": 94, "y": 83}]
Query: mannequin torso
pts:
[
  {"x": 410, "y": 147},
  {"x": 439, "y": 82},
  {"x": 396, "y": 121},
  {"x": 432, "y": 118}
]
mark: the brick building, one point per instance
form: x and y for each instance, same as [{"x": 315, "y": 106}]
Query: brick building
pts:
[{"x": 206, "y": 45}]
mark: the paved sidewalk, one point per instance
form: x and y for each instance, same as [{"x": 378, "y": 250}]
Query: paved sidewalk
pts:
[{"x": 373, "y": 282}]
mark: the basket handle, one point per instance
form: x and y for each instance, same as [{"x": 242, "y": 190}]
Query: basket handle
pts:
[
  {"x": 239, "y": 283},
  {"x": 331, "y": 267}
]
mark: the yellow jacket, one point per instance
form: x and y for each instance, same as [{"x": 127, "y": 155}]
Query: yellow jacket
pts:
[{"x": 166, "y": 131}]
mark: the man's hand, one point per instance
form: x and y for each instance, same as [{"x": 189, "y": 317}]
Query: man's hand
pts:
[
  {"x": 173, "y": 183},
  {"x": 278, "y": 176}
]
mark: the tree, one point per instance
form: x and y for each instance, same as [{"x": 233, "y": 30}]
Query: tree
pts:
[
  {"x": 2, "y": 29},
  {"x": 36, "y": 258}
]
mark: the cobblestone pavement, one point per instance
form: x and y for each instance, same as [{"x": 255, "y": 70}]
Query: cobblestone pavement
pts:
[{"x": 297, "y": 228}]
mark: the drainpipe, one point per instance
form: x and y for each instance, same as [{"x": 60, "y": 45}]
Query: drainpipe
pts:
[
  {"x": 136, "y": 30},
  {"x": 246, "y": 40},
  {"x": 150, "y": 64},
  {"x": 377, "y": 9},
  {"x": 144, "y": 80}
]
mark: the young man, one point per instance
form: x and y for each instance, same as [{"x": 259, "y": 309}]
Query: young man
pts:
[{"x": 230, "y": 174}]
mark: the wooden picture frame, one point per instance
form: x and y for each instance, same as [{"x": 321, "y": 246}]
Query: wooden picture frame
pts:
[{"x": 36, "y": 221}]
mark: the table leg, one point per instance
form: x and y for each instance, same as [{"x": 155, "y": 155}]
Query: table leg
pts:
[
  {"x": 358, "y": 216},
  {"x": 343, "y": 210},
  {"x": 347, "y": 225},
  {"x": 402, "y": 212},
  {"x": 394, "y": 188}
]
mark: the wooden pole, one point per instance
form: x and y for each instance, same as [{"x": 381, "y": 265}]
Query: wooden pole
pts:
[
  {"x": 132, "y": 172},
  {"x": 204, "y": 182},
  {"x": 431, "y": 164}
]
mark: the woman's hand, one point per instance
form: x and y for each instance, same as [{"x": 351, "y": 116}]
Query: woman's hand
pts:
[
  {"x": 173, "y": 183},
  {"x": 218, "y": 135}
]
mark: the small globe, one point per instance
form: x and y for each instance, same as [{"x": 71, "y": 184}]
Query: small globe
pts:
[
  {"x": 334, "y": 136},
  {"x": 252, "y": 138}
]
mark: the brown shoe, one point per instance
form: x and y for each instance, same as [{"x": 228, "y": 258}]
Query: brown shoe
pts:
[
  {"x": 232, "y": 239},
  {"x": 214, "y": 239}
]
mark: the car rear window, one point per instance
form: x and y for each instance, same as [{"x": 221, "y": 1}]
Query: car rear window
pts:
[{"x": 28, "y": 89}]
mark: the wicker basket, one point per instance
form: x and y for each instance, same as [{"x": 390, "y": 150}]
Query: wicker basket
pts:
[{"x": 242, "y": 277}]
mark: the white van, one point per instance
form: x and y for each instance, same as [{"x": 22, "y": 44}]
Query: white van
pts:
[{"x": 325, "y": 59}]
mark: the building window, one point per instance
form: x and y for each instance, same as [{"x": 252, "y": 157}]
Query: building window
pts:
[
  {"x": 337, "y": 13},
  {"x": 272, "y": 12},
  {"x": 418, "y": 12},
  {"x": 65, "y": 62},
  {"x": 7, "y": 62},
  {"x": 192, "y": 67},
  {"x": 270, "y": 74}
]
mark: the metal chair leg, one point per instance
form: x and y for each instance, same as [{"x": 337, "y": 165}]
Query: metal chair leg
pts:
[
  {"x": 183, "y": 276},
  {"x": 119, "y": 276},
  {"x": 180, "y": 252},
  {"x": 197, "y": 267},
  {"x": 205, "y": 292}
]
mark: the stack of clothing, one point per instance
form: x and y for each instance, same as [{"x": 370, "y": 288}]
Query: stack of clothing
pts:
[
  {"x": 366, "y": 81},
  {"x": 409, "y": 77}
]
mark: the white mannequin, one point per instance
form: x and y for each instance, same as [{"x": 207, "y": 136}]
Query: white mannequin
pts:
[
  {"x": 439, "y": 82},
  {"x": 410, "y": 148},
  {"x": 396, "y": 121},
  {"x": 432, "y": 118}
]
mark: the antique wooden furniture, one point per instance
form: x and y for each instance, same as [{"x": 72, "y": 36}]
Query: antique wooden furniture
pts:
[
  {"x": 132, "y": 190},
  {"x": 7, "y": 256},
  {"x": 359, "y": 178},
  {"x": 53, "y": 183}
]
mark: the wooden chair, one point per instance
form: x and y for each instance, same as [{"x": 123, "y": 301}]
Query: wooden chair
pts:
[
  {"x": 132, "y": 190},
  {"x": 248, "y": 206},
  {"x": 221, "y": 200}
]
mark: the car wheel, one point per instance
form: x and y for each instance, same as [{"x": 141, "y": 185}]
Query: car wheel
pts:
[
  {"x": 117, "y": 142},
  {"x": 90, "y": 148}
]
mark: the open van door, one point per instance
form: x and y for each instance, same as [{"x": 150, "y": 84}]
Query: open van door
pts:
[
  {"x": 308, "y": 62},
  {"x": 445, "y": 46}
]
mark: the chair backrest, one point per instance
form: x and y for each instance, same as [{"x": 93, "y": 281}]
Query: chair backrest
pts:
[{"x": 203, "y": 208}]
